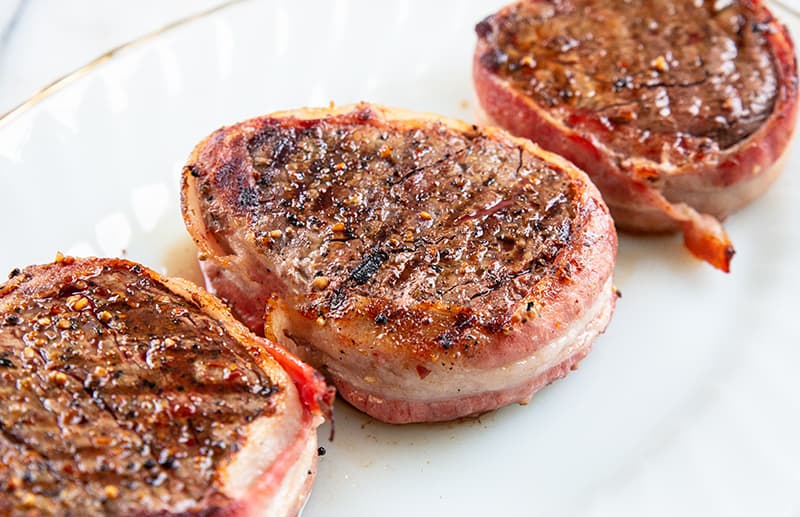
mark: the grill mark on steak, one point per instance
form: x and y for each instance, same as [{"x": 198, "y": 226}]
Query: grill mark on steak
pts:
[
  {"x": 364, "y": 202},
  {"x": 663, "y": 80},
  {"x": 118, "y": 382},
  {"x": 416, "y": 170}
]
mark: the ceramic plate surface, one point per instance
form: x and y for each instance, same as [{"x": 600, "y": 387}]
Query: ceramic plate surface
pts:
[{"x": 688, "y": 405}]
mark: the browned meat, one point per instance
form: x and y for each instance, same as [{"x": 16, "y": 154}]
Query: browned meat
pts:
[
  {"x": 433, "y": 269},
  {"x": 128, "y": 393},
  {"x": 678, "y": 110}
]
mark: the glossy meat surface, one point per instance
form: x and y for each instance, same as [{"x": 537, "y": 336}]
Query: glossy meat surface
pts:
[
  {"x": 123, "y": 395},
  {"x": 355, "y": 206},
  {"x": 657, "y": 79}
]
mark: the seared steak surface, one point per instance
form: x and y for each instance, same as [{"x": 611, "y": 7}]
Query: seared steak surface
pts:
[
  {"x": 431, "y": 268},
  {"x": 659, "y": 79},
  {"x": 357, "y": 206},
  {"x": 119, "y": 396}
]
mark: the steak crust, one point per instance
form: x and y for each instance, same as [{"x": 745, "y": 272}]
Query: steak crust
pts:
[
  {"x": 129, "y": 393},
  {"x": 677, "y": 110},
  {"x": 373, "y": 239}
]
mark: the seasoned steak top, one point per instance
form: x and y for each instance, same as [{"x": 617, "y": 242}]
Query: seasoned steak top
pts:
[
  {"x": 660, "y": 79},
  {"x": 119, "y": 396},
  {"x": 355, "y": 206}
]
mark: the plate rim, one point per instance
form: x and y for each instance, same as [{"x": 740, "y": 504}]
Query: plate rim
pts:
[{"x": 60, "y": 82}]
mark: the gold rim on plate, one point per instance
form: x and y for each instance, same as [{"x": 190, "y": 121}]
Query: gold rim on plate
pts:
[{"x": 72, "y": 76}]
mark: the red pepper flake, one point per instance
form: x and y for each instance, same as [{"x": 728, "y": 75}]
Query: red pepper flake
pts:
[{"x": 422, "y": 371}]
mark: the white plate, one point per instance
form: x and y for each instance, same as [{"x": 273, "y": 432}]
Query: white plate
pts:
[{"x": 689, "y": 404}]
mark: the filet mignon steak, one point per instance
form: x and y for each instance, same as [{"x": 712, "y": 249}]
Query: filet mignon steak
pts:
[
  {"x": 678, "y": 110},
  {"x": 433, "y": 269},
  {"x": 127, "y": 393}
]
